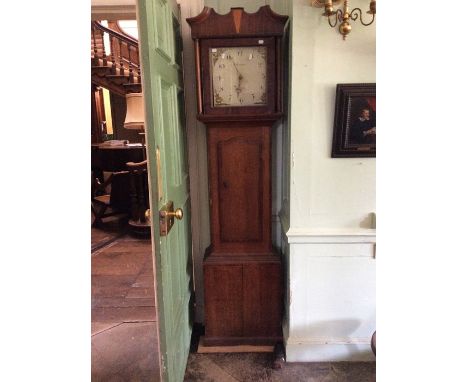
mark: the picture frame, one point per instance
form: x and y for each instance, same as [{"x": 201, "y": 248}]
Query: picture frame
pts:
[{"x": 354, "y": 129}]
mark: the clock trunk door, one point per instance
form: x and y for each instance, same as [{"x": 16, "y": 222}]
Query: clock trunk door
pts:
[{"x": 239, "y": 163}]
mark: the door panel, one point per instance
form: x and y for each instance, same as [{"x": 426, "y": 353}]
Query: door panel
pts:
[
  {"x": 239, "y": 168},
  {"x": 223, "y": 300},
  {"x": 165, "y": 137},
  {"x": 240, "y": 206}
]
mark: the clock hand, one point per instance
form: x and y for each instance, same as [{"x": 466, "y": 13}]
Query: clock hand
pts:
[
  {"x": 239, "y": 79},
  {"x": 238, "y": 90},
  {"x": 239, "y": 75}
]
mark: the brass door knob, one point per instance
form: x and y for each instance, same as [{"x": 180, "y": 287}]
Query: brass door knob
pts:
[{"x": 178, "y": 214}]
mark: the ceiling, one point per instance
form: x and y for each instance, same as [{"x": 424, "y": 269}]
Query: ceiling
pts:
[{"x": 113, "y": 9}]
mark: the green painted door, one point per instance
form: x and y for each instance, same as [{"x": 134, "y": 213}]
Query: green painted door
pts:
[{"x": 161, "y": 57}]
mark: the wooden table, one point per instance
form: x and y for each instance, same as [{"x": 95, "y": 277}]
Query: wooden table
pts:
[{"x": 114, "y": 158}]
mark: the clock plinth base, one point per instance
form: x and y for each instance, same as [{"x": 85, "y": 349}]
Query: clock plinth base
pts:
[
  {"x": 239, "y": 341},
  {"x": 243, "y": 298},
  {"x": 238, "y": 348}
]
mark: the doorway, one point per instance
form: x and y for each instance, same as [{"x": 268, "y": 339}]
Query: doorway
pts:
[
  {"x": 124, "y": 327},
  {"x": 168, "y": 211}
]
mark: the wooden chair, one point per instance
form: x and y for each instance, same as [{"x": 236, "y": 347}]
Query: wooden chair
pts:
[
  {"x": 118, "y": 199},
  {"x": 139, "y": 197}
]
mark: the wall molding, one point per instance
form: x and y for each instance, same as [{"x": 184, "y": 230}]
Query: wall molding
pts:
[
  {"x": 328, "y": 341},
  {"x": 303, "y": 352},
  {"x": 331, "y": 236},
  {"x": 305, "y": 349}
]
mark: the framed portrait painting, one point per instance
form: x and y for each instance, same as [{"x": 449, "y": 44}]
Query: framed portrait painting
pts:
[{"x": 354, "y": 130}]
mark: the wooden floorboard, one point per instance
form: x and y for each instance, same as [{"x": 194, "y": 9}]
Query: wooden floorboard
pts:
[
  {"x": 122, "y": 279},
  {"x": 124, "y": 340}
]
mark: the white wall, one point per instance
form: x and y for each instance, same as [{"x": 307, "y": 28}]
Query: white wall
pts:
[
  {"x": 327, "y": 192},
  {"x": 331, "y": 269}
]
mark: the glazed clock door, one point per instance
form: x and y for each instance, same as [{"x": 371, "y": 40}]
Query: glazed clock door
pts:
[
  {"x": 160, "y": 49},
  {"x": 238, "y": 76}
]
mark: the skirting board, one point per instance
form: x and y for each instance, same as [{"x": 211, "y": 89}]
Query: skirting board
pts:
[
  {"x": 307, "y": 352},
  {"x": 233, "y": 349}
]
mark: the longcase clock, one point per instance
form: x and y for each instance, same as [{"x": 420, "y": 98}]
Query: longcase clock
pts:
[{"x": 238, "y": 64}]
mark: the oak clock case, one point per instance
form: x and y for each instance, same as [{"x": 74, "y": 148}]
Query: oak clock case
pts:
[{"x": 239, "y": 91}]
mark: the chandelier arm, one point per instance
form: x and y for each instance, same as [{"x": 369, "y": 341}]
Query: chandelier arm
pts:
[
  {"x": 356, "y": 12},
  {"x": 373, "y": 17},
  {"x": 336, "y": 19},
  {"x": 339, "y": 15}
]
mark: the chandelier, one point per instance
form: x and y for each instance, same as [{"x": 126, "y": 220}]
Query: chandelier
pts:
[{"x": 343, "y": 15}]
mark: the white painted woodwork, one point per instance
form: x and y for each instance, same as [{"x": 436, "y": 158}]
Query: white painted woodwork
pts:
[{"x": 330, "y": 300}]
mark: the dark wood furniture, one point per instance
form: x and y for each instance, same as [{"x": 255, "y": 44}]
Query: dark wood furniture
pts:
[
  {"x": 97, "y": 114},
  {"x": 243, "y": 276},
  {"x": 118, "y": 199},
  {"x": 139, "y": 197},
  {"x": 114, "y": 158}
]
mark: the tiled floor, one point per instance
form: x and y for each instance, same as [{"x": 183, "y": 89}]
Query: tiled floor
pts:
[{"x": 124, "y": 334}]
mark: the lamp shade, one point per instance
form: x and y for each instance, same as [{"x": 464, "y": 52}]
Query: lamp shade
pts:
[{"x": 135, "y": 118}]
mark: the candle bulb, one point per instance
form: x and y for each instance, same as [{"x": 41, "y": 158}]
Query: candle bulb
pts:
[{"x": 328, "y": 8}]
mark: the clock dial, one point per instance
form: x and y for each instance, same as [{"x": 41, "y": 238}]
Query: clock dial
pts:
[{"x": 238, "y": 76}]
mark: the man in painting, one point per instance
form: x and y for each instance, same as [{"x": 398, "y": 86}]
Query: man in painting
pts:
[{"x": 363, "y": 129}]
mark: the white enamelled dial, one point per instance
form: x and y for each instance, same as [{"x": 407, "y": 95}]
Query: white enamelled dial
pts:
[{"x": 238, "y": 76}]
